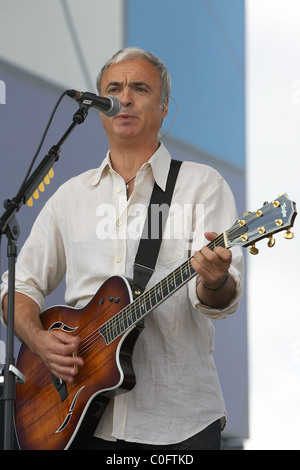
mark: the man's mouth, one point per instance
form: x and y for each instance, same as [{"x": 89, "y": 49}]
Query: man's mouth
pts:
[{"x": 125, "y": 116}]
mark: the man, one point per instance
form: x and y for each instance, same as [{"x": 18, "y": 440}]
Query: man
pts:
[{"x": 177, "y": 401}]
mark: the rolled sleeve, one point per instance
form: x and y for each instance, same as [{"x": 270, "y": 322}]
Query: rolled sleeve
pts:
[
  {"x": 22, "y": 288},
  {"x": 40, "y": 266}
]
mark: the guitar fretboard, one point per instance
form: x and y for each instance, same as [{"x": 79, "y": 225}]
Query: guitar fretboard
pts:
[{"x": 150, "y": 299}]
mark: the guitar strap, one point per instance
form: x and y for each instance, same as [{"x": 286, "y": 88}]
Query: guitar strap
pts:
[{"x": 153, "y": 230}]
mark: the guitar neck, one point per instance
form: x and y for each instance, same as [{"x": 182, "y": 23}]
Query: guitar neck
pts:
[{"x": 150, "y": 299}]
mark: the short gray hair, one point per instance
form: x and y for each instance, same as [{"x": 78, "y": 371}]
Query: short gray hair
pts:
[{"x": 134, "y": 53}]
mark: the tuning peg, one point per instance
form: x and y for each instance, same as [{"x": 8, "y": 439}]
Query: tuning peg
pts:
[
  {"x": 253, "y": 250},
  {"x": 271, "y": 241},
  {"x": 288, "y": 234}
]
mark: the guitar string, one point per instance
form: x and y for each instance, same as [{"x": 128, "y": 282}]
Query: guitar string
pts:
[
  {"x": 148, "y": 297},
  {"x": 151, "y": 295},
  {"x": 113, "y": 324},
  {"x": 83, "y": 352}
]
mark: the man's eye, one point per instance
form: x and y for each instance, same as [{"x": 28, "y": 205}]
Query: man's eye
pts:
[{"x": 141, "y": 90}]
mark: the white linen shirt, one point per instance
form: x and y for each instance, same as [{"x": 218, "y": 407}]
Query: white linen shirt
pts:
[{"x": 89, "y": 231}]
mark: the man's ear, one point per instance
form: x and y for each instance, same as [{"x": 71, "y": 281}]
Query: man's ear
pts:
[{"x": 165, "y": 108}]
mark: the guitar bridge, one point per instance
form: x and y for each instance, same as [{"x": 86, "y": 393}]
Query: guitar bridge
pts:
[{"x": 61, "y": 387}]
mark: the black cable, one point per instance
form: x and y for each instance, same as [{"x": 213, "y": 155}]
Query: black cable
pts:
[{"x": 43, "y": 137}]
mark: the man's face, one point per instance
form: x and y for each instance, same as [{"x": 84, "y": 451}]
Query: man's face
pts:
[{"x": 136, "y": 83}]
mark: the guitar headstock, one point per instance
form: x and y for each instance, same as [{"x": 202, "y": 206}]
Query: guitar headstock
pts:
[{"x": 271, "y": 218}]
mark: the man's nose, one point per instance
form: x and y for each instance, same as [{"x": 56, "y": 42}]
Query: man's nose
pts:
[{"x": 126, "y": 98}]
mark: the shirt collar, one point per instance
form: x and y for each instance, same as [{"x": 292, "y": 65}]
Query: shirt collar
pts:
[
  {"x": 105, "y": 166},
  {"x": 159, "y": 162}
]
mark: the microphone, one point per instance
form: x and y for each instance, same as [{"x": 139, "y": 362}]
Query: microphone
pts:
[{"x": 109, "y": 106}]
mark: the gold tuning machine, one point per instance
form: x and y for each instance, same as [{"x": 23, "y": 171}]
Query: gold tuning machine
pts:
[
  {"x": 271, "y": 241},
  {"x": 288, "y": 234},
  {"x": 253, "y": 250}
]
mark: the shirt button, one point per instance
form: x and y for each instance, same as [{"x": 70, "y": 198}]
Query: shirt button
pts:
[
  {"x": 117, "y": 259},
  {"x": 119, "y": 190},
  {"x": 119, "y": 222}
]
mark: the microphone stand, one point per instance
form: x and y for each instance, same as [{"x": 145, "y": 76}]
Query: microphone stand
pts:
[{"x": 10, "y": 227}]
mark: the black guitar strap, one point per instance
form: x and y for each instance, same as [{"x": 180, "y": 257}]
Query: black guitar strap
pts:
[{"x": 153, "y": 230}]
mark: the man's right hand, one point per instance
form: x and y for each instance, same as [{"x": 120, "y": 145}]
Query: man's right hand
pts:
[{"x": 56, "y": 348}]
